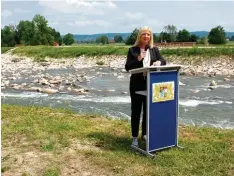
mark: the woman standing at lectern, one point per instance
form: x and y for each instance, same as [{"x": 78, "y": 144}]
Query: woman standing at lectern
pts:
[{"x": 135, "y": 58}]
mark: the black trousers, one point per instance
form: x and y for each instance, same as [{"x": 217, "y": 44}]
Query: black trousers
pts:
[{"x": 137, "y": 101}]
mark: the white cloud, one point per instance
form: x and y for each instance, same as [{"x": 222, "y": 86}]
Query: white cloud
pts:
[
  {"x": 18, "y": 10},
  {"x": 134, "y": 16},
  {"x": 83, "y": 23},
  {"x": 6, "y": 13},
  {"x": 155, "y": 24},
  {"x": 53, "y": 23},
  {"x": 77, "y": 7}
]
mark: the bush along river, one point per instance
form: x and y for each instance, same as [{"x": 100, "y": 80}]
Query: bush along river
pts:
[{"x": 104, "y": 90}]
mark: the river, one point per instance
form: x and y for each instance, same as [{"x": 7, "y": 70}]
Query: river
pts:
[{"x": 109, "y": 96}]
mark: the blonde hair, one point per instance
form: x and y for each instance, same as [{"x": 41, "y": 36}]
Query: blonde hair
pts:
[{"x": 145, "y": 28}]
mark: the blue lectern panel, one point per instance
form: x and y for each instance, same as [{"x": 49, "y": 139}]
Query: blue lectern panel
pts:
[{"x": 162, "y": 121}]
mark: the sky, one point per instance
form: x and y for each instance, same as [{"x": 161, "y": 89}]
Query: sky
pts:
[{"x": 92, "y": 17}]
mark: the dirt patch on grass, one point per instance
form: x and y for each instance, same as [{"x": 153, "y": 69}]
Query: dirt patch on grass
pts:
[
  {"x": 31, "y": 161},
  {"x": 190, "y": 135},
  {"x": 75, "y": 164},
  {"x": 17, "y": 163}
]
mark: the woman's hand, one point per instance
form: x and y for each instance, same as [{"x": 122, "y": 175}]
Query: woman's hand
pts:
[
  {"x": 142, "y": 55},
  {"x": 157, "y": 63}
]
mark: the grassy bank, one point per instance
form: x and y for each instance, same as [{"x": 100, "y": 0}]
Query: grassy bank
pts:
[
  {"x": 40, "y": 52},
  {"x": 5, "y": 49},
  {"x": 44, "y": 141}
]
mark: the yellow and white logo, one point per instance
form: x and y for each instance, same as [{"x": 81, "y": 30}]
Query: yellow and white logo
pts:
[{"x": 163, "y": 91}]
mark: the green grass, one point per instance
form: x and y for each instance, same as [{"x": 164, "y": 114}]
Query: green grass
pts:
[
  {"x": 69, "y": 52},
  {"x": 41, "y": 52},
  {"x": 5, "y": 49},
  {"x": 51, "y": 172},
  {"x": 204, "y": 52},
  {"x": 105, "y": 144},
  {"x": 230, "y": 43}
]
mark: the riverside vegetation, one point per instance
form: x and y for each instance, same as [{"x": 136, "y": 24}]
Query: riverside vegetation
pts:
[
  {"x": 44, "y": 141},
  {"x": 40, "y": 52}
]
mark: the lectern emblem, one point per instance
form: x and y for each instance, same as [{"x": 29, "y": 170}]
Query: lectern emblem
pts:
[{"x": 163, "y": 91}]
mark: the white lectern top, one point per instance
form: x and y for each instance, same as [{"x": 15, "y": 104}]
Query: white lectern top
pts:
[{"x": 155, "y": 68}]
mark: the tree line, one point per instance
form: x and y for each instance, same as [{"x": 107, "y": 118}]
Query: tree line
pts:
[
  {"x": 37, "y": 32},
  {"x": 217, "y": 35}
]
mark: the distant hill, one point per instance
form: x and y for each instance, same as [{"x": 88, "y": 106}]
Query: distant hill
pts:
[
  {"x": 205, "y": 33},
  {"x": 80, "y": 37},
  {"x": 92, "y": 37}
]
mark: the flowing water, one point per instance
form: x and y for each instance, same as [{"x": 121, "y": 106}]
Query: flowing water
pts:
[{"x": 109, "y": 95}]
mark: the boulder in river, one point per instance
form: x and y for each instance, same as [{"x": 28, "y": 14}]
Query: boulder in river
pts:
[
  {"x": 213, "y": 83},
  {"x": 48, "y": 91}
]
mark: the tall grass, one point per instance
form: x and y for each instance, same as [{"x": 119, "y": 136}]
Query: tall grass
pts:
[
  {"x": 98, "y": 50},
  {"x": 5, "y": 49},
  {"x": 204, "y": 52}
]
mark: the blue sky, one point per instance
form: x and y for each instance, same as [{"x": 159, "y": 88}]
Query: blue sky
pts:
[{"x": 91, "y": 17}]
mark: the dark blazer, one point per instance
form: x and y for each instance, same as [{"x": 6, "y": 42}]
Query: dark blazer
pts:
[{"x": 138, "y": 81}]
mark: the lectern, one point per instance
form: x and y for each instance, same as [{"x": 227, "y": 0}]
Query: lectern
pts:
[{"x": 162, "y": 107}]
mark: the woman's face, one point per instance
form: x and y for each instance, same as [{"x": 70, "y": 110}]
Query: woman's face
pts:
[{"x": 145, "y": 37}]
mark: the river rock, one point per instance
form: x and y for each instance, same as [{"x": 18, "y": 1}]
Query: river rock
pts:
[
  {"x": 213, "y": 83},
  {"x": 35, "y": 81},
  {"x": 111, "y": 90},
  {"x": 55, "y": 81},
  {"x": 123, "y": 71},
  {"x": 44, "y": 64},
  {"x": 181, "y": 84},
  {"x": 34, "y": 89},
  {"x": 120, "y": 76},
  {"x": 12, "y": 78},
  {"x": 44, "y": 82},
  {"x": 7, "y": 82},
  {"x": 17, "y": 86},
  {"x": 67, "y": 82},
  {"x": 196, "y": 91},
  {"x": 48, "y": 91},
  {"x": 226, "y": 79},
  {"x": 83, "y": 91},
  {"x": 16, "y": 60}
]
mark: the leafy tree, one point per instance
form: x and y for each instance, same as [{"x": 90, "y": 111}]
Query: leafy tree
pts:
[
  {"x": 104, "y": 39},
  {"x": 164, "y": 36},
  {"x": 203, "y": 40},
  {"x": 98, "y": 40},
  {"x": 56, "y": 35},
  {"x": 44, "y": 40},
  {"x": 25, "y": 32},
  {"x": 40, "y": 23},
  {"x": 183, "y": 36},
  {"x": 193, "y": 38},
  {"x": 35, "y": 32},
  {"x": 118, "y": 39},
  {"x": 156, "y": 39},
  {"x": 68, "y": 39},
  {"x": 172, "y": 31},
  {"x": 8, "y": 36},
  {"x": 217, "y": 35},
  {"x": 132, "y": 38},
  {"x": 232, "y": 38}
]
